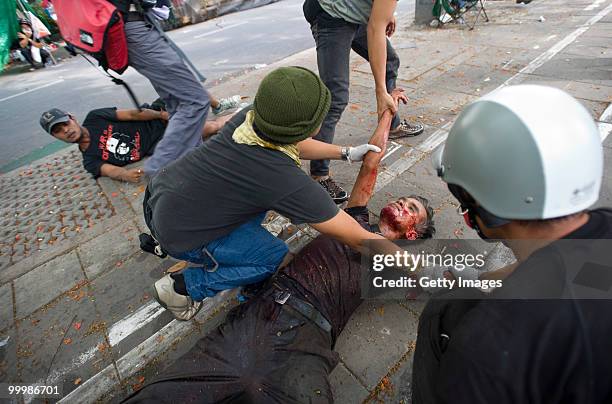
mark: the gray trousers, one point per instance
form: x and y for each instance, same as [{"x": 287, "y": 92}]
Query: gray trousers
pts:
[
  {"x": 335, "y": 39},
  {"x": 186, "y": 99}
]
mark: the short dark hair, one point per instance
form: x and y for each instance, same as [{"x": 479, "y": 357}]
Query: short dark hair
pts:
[{"x": 426, "y": 229}]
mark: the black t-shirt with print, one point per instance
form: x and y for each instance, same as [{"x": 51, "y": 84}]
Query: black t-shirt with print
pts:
[{"x": 118, "y": 142}]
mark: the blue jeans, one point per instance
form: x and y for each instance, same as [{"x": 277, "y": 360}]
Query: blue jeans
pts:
[{"x": 247, "y": 255}]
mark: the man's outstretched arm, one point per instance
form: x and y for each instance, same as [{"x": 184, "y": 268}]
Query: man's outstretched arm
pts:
[
  {"x": 142, "y": 115},
  {"x": 379, "y": 24},
  {"x": 366, "y": 179},
  {"x": 122, "y": 174}
]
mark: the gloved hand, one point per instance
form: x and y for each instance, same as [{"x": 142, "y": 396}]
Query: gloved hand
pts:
[{"x": 358, "y": 152}]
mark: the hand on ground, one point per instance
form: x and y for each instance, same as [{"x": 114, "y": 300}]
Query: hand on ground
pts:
[{"x": 133, "y": 175}]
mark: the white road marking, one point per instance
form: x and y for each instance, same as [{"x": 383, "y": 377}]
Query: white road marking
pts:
[
  {"x": 392, "y": 149},
  {"x": 10, "y": 97},
  {"x": 118, "y": 332},
  {"x": 158, "y": 343},
  {"x": 559, "y": 46},
  {"x": 220, "y": 29},
  {"x": 161, "y": 341},
  {"x": 134, "y": 321},
  {"x": 594, "y": 5},
  {"x": 607, "y": 114}
]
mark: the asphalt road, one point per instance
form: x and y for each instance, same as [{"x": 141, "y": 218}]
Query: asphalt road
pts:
[{"x": 218, "y": 47}]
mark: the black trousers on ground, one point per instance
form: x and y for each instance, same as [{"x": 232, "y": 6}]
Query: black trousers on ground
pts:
[{"x": 442, "y": 314}]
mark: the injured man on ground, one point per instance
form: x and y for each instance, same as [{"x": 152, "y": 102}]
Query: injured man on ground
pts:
[{"x": 278, "y": 346}]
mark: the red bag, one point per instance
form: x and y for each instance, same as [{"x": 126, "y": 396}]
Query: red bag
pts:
[{"x": 96, "y": 27}]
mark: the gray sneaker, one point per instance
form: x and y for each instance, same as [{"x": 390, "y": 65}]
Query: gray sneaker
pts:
[
  {"x": 182, "y": 307},
  {"x": 227, "y": 103}
]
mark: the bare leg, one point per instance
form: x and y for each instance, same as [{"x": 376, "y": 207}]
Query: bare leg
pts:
[
  {"x": 212, "y": 127},
  {"x": 214, "y": 102}
]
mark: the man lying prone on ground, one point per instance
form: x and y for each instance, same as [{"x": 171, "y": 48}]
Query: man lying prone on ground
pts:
[
  {"x": 111, "y": 138},
  {"x": 278, "y": 347}
]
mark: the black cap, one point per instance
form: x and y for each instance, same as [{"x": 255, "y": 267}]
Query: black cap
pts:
[{"x": 51, "y": 117}]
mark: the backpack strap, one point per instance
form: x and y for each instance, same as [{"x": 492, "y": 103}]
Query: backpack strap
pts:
[{"x": 119, "y": 82}]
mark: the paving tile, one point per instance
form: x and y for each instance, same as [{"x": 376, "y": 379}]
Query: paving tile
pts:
[
  {"x": 6, "y": 306},
  {"x": 576, "y": 68},
  {"x": 45, "y": 283},
  {"x": 380, "y": 331},
  {"x": 48, "y": 203},
  {"x": 126, "y": 288},
  {"x": 587, "y": 49},
  {"x": 109, "y": 249},
  {"x": 450, "y": 225},
  {"x": 63, "y": 342},
  {"x": 474, "y": 80},
  {"x": 345, "y": 387},
  {"x": 9, "y": 369},
  {"x": 503, "y": 58}
]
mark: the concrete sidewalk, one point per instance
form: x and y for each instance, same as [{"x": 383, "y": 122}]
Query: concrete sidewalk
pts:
[{"x": 75, "y": 288}]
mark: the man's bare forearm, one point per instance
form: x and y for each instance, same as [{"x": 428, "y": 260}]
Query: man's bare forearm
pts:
[
  {"x": 144, "y": 115},
  {"x": 311, "y": 149},
  {"x": 381, "y": 16},
  {"x": 368, "y": 173},
  {"x": 377, "y": 53}
]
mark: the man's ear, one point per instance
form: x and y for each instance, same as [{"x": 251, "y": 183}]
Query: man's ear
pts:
[{"x": 411, "y": 235}]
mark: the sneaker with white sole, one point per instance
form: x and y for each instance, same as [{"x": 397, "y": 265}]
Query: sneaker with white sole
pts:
[
  {"x": 334, "y": 190},
  {"x": 406, "y": 129},
  {"x": 182, "y": 307},
  {"x": 227, "y": 103}
]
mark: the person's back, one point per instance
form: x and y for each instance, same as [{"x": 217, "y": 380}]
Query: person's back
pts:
[
  {"x": 530, "y": 341},
  {"x": 543, "y": 336},
  {"x": 219, "y": 186}
]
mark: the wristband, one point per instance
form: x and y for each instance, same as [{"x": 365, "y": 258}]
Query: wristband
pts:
[{"x": 344, "y": 153}]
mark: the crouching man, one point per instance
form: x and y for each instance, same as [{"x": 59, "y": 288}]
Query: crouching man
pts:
[
  {"x": 278, "y": 346},
  {"x": 207, "y": 207},
  {"x": 111, "y": 138}
]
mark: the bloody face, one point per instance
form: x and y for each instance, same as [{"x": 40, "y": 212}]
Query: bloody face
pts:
[{"x": 399, "y": 219}]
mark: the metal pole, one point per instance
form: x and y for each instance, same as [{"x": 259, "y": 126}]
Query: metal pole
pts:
[{"x": 423, "y": 11}]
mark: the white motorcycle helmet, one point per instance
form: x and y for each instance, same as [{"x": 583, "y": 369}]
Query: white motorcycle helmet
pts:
[{"x": 523, "y": 152}]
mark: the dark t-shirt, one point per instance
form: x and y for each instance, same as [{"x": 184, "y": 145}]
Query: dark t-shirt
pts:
[
  {"x": 265, "y": 352},
  {"x": 222, "y": 184},
  {"x": 533, "y": 351},
  {"x": 118, "y": 142},
  {"x": 327, "y": 274}
]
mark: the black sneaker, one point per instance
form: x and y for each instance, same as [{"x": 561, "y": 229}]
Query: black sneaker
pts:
[
  {"x": 406, "y": 129},
  {"x": 334, "y": 190}
]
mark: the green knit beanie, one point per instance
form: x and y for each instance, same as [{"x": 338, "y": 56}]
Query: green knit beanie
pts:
[{"x": 290, "y": 104}]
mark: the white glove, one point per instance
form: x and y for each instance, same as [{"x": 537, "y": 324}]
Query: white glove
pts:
[{"x": 358, "y": 152}]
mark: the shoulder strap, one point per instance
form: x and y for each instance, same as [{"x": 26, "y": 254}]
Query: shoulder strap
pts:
[{"x": 117, "y": 81}]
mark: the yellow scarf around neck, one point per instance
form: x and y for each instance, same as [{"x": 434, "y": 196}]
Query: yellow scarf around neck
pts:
[{"x": 245, "y": 134}]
